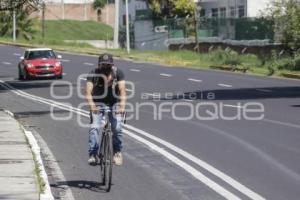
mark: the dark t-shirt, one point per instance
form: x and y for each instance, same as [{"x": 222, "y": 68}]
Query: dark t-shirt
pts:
[{"x": 103, "y": 92}]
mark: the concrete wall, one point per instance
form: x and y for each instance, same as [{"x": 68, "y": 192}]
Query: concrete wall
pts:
[
  {"x": 75, "y": 11},
  {"x": 133, "y": 5},
  {"x": 146, "y": 38}
]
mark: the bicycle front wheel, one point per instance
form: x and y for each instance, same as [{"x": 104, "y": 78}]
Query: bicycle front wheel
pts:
[{"x": 107, "y": 161}]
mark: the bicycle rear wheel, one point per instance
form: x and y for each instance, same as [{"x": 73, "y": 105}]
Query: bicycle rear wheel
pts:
[{"x": 106, "y": 162}]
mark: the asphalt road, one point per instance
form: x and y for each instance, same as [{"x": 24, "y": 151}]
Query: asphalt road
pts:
[{"x": 169, "y": 158}]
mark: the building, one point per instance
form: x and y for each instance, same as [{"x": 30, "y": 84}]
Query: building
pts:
[{"x": 232, "y": 8}]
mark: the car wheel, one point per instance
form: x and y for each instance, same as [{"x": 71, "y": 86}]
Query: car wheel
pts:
[
  {"x": 26, "y": 76},
  {"x": 21, "y": 77},
  {"x": 59, "y": 76}
]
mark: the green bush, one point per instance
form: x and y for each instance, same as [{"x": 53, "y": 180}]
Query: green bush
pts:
[
  {"x": 285, "y": 63},
  {"x": 297, "y": 63},
  {"x": 232, "y": 58},
  {"x": 225, "y": 57}
]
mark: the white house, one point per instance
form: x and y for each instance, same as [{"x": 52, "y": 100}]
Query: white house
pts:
[
  {"x": 255, "y": 7},
  {"x": 232, "y": 8}
]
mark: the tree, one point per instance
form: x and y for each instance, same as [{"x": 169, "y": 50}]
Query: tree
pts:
[
  {"x": 13, "y": 4},
  {"x": 98, "y": 5},
  {"x": 286, "y": 15},
  {"x": 25, "y": 23},
  {"x": 171, "y": 8}
]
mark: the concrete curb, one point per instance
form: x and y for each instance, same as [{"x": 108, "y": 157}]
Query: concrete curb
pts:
[{"x": 47, "y": 195}]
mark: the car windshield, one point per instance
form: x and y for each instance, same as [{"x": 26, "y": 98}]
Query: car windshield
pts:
[{"x": 40, "y": 54}]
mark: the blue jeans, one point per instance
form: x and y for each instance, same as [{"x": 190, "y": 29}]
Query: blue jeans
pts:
[{"x": 95, "y": 132}]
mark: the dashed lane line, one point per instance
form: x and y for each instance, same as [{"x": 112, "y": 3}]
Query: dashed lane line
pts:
[
  {"x": 135, "y": 70},
  {"x": 89, "y": 64},
  {"x": 195, "y": 80},
  {"x": 224, "y": 85},
  {"x": 6, "y": 63},
  {"x": 263, "y": 90},
  {"x": 165, "y": 75}
]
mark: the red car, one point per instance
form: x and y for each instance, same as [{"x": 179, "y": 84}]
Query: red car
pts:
[{"x": 40, "y": 62}]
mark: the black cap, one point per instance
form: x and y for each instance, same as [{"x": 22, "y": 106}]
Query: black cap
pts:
[{"x": 106, "y": 59}]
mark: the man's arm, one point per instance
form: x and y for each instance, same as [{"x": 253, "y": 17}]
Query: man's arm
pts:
[
  {"x": 88, "y": 96},
  {"x": 123, "y": 98}
]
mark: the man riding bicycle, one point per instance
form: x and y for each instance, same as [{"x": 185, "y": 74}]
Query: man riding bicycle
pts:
[{"x": 105, "y": 86}]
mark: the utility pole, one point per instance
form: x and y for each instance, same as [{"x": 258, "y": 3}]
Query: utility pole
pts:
[
  {"x": 85, "y": 10},
  {"x": 127, "y": 28},
  {"x": 196, "y": 30},
  {"x": 14, "y": 25},
  {"x": 43, "y": 20},
  {"x": 116, "y": 28},
  {"x": 107, "y": 9},
  {"x": 63, "y": 9}
]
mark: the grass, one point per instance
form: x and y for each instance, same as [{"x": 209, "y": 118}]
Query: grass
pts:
[
  {"x": 40, "y": 180},
  {"x": 58, "y": 31},
  {"x": 74, "y": 30}
]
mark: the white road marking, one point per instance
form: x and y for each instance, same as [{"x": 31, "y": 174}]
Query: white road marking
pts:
[
  {"x": 222, "y": 191},
  {"x": 6, "y": 63},
  {"x": 224, "y": 85},
  {"x": 63, "y": 60},
  {"x": 166, "y": 75},
  {"x": 232, "y": 106},
  {"x": 17, "y": 54},
  {"x": 188, "y": 100},
  {"x": 195, "y": 80},
  {"x": 282, "y": 123},
  {"x": 135, "y": 70},
  {"x": 264, "y": 90},
  {"x": 191, "y": 170},
  {"x": 89, "y": 64},
  {"x": 198, "y": 175},
  {"x": 240, "y": 187},
  {"x": 149, "y": 94},
  {"x": 55, "y": 169}
]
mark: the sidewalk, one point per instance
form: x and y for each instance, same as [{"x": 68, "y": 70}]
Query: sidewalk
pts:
[{"x": 17, "y": 170}]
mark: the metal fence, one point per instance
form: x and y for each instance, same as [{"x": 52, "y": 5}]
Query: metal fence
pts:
[{"x": 158, "y": 34}]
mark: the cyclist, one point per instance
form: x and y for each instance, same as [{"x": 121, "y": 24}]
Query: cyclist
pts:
[{"x": 105, "y": 86}]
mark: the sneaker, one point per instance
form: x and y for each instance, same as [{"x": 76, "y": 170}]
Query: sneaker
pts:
[
  {"x": 92, "y": 160},
  {"x": 118, "y": 159}
]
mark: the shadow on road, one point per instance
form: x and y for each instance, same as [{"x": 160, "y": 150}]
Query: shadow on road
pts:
[
  {"x": 80, "y": 184},
  {"x": 24, "y": 85},
  {"x": 296, "y": 106},
  {"x": 26, "y": 114},
  {"x": 239, "y": 94}
]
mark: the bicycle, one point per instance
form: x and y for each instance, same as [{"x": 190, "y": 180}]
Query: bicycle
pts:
[{"x": 105, "y": 153}]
